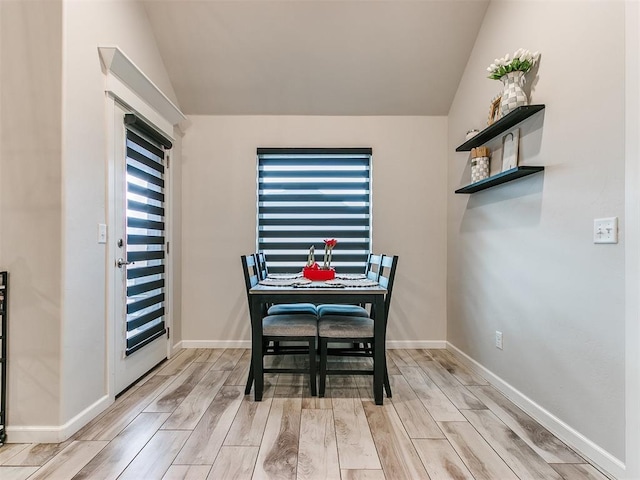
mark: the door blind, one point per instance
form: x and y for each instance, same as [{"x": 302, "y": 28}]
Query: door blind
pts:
[
  {"x": 145, "y": 232},
  {"x": 308, "y": 195}
]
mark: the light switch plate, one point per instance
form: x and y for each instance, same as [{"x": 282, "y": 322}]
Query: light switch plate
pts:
[
  {"x": 605, "y": 230},
  {"x": 102, "y": 233}
]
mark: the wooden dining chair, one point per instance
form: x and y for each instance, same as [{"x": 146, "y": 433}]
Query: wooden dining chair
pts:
[
  {"x": 372, "y": 272},
  {"x": 301, "y": 327},
  {"x": 354, "y": 329}
]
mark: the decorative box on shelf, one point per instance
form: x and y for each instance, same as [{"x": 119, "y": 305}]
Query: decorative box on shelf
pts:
[{"x": 318, "y": 274}]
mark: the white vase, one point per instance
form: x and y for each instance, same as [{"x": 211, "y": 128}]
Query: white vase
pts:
[{"x": 513, "y": 96}]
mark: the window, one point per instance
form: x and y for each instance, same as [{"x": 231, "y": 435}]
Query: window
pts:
[{"x": 308, "y": 194}]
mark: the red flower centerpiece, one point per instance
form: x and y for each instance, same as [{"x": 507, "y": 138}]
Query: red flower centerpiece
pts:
[{"x": 313, "y": 271}]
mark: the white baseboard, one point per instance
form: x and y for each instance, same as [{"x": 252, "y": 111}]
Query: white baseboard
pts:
[
  {"x": 585, "y": 447},
  {"x": 175, "y": 347},
  {"x": 216, "y": 344},
  {"x": 399, "y": 344},
  {"x": 57, "y": 434}
]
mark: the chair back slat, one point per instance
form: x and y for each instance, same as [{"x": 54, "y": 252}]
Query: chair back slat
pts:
[
  {"x": 261, "y": 262},
  {"x": 387, "y": 276},
  {"x": 250, "y": 270},
  {"x": 373, "y": 266}
]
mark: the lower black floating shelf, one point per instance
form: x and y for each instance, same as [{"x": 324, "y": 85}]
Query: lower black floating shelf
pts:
[{"x": 500, "y": 178}]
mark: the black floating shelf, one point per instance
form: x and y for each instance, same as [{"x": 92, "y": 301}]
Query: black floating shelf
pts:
[
  {"x": 499, "y": 126},
  {"x": 500, "y": 178}
]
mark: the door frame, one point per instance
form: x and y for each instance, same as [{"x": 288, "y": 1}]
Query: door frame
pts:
[
  {"x": 117, "y": 153},
  {"x": 127, "y": 369},
  {"x": 632, "y": 240},
  {"x": 128, "y": 86}
]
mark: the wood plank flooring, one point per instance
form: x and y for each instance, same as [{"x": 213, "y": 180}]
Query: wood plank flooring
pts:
[{"x": 190, "y": 420}]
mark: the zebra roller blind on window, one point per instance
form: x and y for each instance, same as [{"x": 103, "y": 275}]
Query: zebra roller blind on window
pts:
[
  {"x": 145, "y": 230},
  {"x": 306, "y": 195}
]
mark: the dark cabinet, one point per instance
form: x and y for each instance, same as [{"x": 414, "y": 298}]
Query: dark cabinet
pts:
[{"x": 4, "y": 293}]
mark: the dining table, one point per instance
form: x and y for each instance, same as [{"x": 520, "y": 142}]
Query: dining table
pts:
[{"x": 318, "y": 292}]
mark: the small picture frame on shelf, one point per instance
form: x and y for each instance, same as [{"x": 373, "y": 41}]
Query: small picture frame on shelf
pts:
[
  {"x": 510, "y": 143},
  {"x": 494, "y": 110}
]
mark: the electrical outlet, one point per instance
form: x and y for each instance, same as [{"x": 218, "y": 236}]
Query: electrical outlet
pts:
[
  {"x": 498, "y": 339},
  {"x": 605, "y": 230}
]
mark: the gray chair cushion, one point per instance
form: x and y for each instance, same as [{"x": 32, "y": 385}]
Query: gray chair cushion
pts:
[
  {"x": 343, "y": 310},
  {"x": 286, "y": 308},
  {"x": 345, "y": 327},
  {"x": 290, "y": 325}
]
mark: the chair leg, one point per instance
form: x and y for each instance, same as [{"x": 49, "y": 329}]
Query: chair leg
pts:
[
  {"x": 385, "y": 380},
  {"x": 387, "y": 385},
  {"x": 247, "y": 389},
  {"x": 323, "y": 366},
  {"x": 312, "y": 366}
]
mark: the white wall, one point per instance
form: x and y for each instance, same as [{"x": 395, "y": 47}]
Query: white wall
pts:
[
  {"x": 521, "y": 257},
  {"x": 53, "y": 187},
  {"x": 88, "y": 25},
  {"x": 30, "y": 204},
  {"x": 219, "y": 215}
]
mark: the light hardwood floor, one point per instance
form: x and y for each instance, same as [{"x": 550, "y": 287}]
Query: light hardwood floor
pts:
[{"x": 189, "y": 419}]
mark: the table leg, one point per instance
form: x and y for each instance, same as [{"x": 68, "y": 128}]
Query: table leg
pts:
[
  {"x": 256, "y": 347},
  {"x": 379, "y": 342}
]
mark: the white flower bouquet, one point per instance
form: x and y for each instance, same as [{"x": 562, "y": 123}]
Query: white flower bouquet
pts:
[{"x": 522, "y": 60}]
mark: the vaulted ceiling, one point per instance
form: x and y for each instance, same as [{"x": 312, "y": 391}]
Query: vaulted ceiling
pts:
[{"x": 315, "y": 57}]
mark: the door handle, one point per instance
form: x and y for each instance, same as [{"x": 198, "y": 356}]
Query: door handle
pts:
[{"x": 121, "y": 262}]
